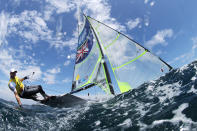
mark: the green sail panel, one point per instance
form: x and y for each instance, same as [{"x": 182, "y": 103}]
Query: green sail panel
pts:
[
  {"x": 131, "y": 63},
  {"x": 88, "y": 67}
]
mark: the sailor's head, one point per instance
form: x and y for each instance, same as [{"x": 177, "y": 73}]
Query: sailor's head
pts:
[{"x": 13, "y": 72}]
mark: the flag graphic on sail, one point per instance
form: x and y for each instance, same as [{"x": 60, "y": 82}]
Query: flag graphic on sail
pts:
[{"x": 85, "y": 43}]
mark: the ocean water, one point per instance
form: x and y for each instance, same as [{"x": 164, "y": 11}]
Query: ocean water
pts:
[{"x": 166, "y": 104}]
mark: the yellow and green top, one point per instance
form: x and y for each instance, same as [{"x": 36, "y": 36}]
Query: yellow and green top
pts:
[{"x": 19, "y": 85}]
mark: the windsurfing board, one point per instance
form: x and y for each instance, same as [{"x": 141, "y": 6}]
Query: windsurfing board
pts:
[{"x": 66, "y": 100}]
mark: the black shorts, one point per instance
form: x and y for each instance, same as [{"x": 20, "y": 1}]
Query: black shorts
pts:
[{"x": 30, "y": 92}]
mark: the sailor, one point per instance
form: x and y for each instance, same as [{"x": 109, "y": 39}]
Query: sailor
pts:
[{"x": 21, "y": 91}]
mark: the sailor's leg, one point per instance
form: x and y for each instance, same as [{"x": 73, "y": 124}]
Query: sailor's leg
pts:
[
  {"x": 42, "y": 92},
  {"x": 33, "y": 90}
]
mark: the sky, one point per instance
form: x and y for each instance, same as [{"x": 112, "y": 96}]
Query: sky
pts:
[{"x": 41, "y": 35}]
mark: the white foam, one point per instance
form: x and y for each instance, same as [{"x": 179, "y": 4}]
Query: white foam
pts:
[
  {"x": 125, "y": 114},
  {"x": 179, "y": 116},
  {"x": 126, "y": 123},
  {"x": 193, "y": 78},
  {"x": 97, "y": 123},
  {"x": 168, "y": 91},
  {"x": 71, "y": 114},
  {"x": 97, "y": 97},
  {"x": 192, "y": 90},
  {"x": 141, "y": 108},
  {"x": 150, "y": 88},
  {"x": 185, "y": 67}
]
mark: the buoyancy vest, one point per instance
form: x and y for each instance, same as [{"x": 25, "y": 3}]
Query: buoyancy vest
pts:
[{"x": 19, "y": 85}]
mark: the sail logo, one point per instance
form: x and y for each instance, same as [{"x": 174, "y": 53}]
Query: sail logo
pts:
[
  {"x": 80, "y": 81},
  {"x": 84, "y": 44}
]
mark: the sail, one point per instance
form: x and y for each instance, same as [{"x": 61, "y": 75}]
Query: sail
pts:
[
  {"x": 89, "y": 68},
  {"x": 131, "y": 63}
]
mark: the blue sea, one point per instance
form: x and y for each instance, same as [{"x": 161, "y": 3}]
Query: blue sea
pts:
[{"x": 166, "y": 104}]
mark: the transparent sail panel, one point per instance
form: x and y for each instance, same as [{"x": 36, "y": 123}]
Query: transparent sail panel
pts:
[
  {"x": 84, "y": 69},
  {"x": 122, "y": 51},
  {"x": 141, "y": 70},
  {"x": 99, "y": 78},
  {"x": 88, "y": 66},
  {"x": 107, "y": 35},
  {"x": 132, "y": 64}
]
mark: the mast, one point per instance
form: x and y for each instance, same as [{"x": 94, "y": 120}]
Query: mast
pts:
[
  {"x": 73, "y": 82},
  {"x": 104, "y": 63}
]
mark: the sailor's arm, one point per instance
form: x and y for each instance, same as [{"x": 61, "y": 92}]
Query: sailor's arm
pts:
[
  {"x": 18, "y": 99},
  {"x": 26, "y": 77}
]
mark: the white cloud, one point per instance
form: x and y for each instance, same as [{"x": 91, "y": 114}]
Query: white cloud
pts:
[
  {"x": 97, "y": 9},
  {"x": 59, "y": 27},
  {"x": 101, "y": 10},
  {"x": 30, "y": 36},
  {"x": 36, "y": 25},
  {"x": 54, "y": 70},
  {"x": 28, "y": 71},
  {"x": 131, "y": 24},
  {"x": 48, "y": 12},
  {"x": 30, "y": 25},
  {"x": 152, "y": 3},
  {"x": 71, "y": 43},
  {"x": 49, "y": 78},
  {"x": 189, "y": 56},
  {"x": 3, "y": 27},
  {"x": 42, "y": 64},
  {"x": 40, "y": 22},
  {"x": 146, "y": 20},
  {"x": 159, "y": 38},
  {"x": 9, "y": 60},
  {"x": 16, "y": 2},
  {"x": 66, "y": 63},
  {"x": 146, "y": 1},
  {"x": 71, "y": 56},
  {"x": 66, "y": 80},
  {"x": 159, "y": 52},
  {"x": 50, "y": 75},
  {"x": 62, "y": 6}
]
